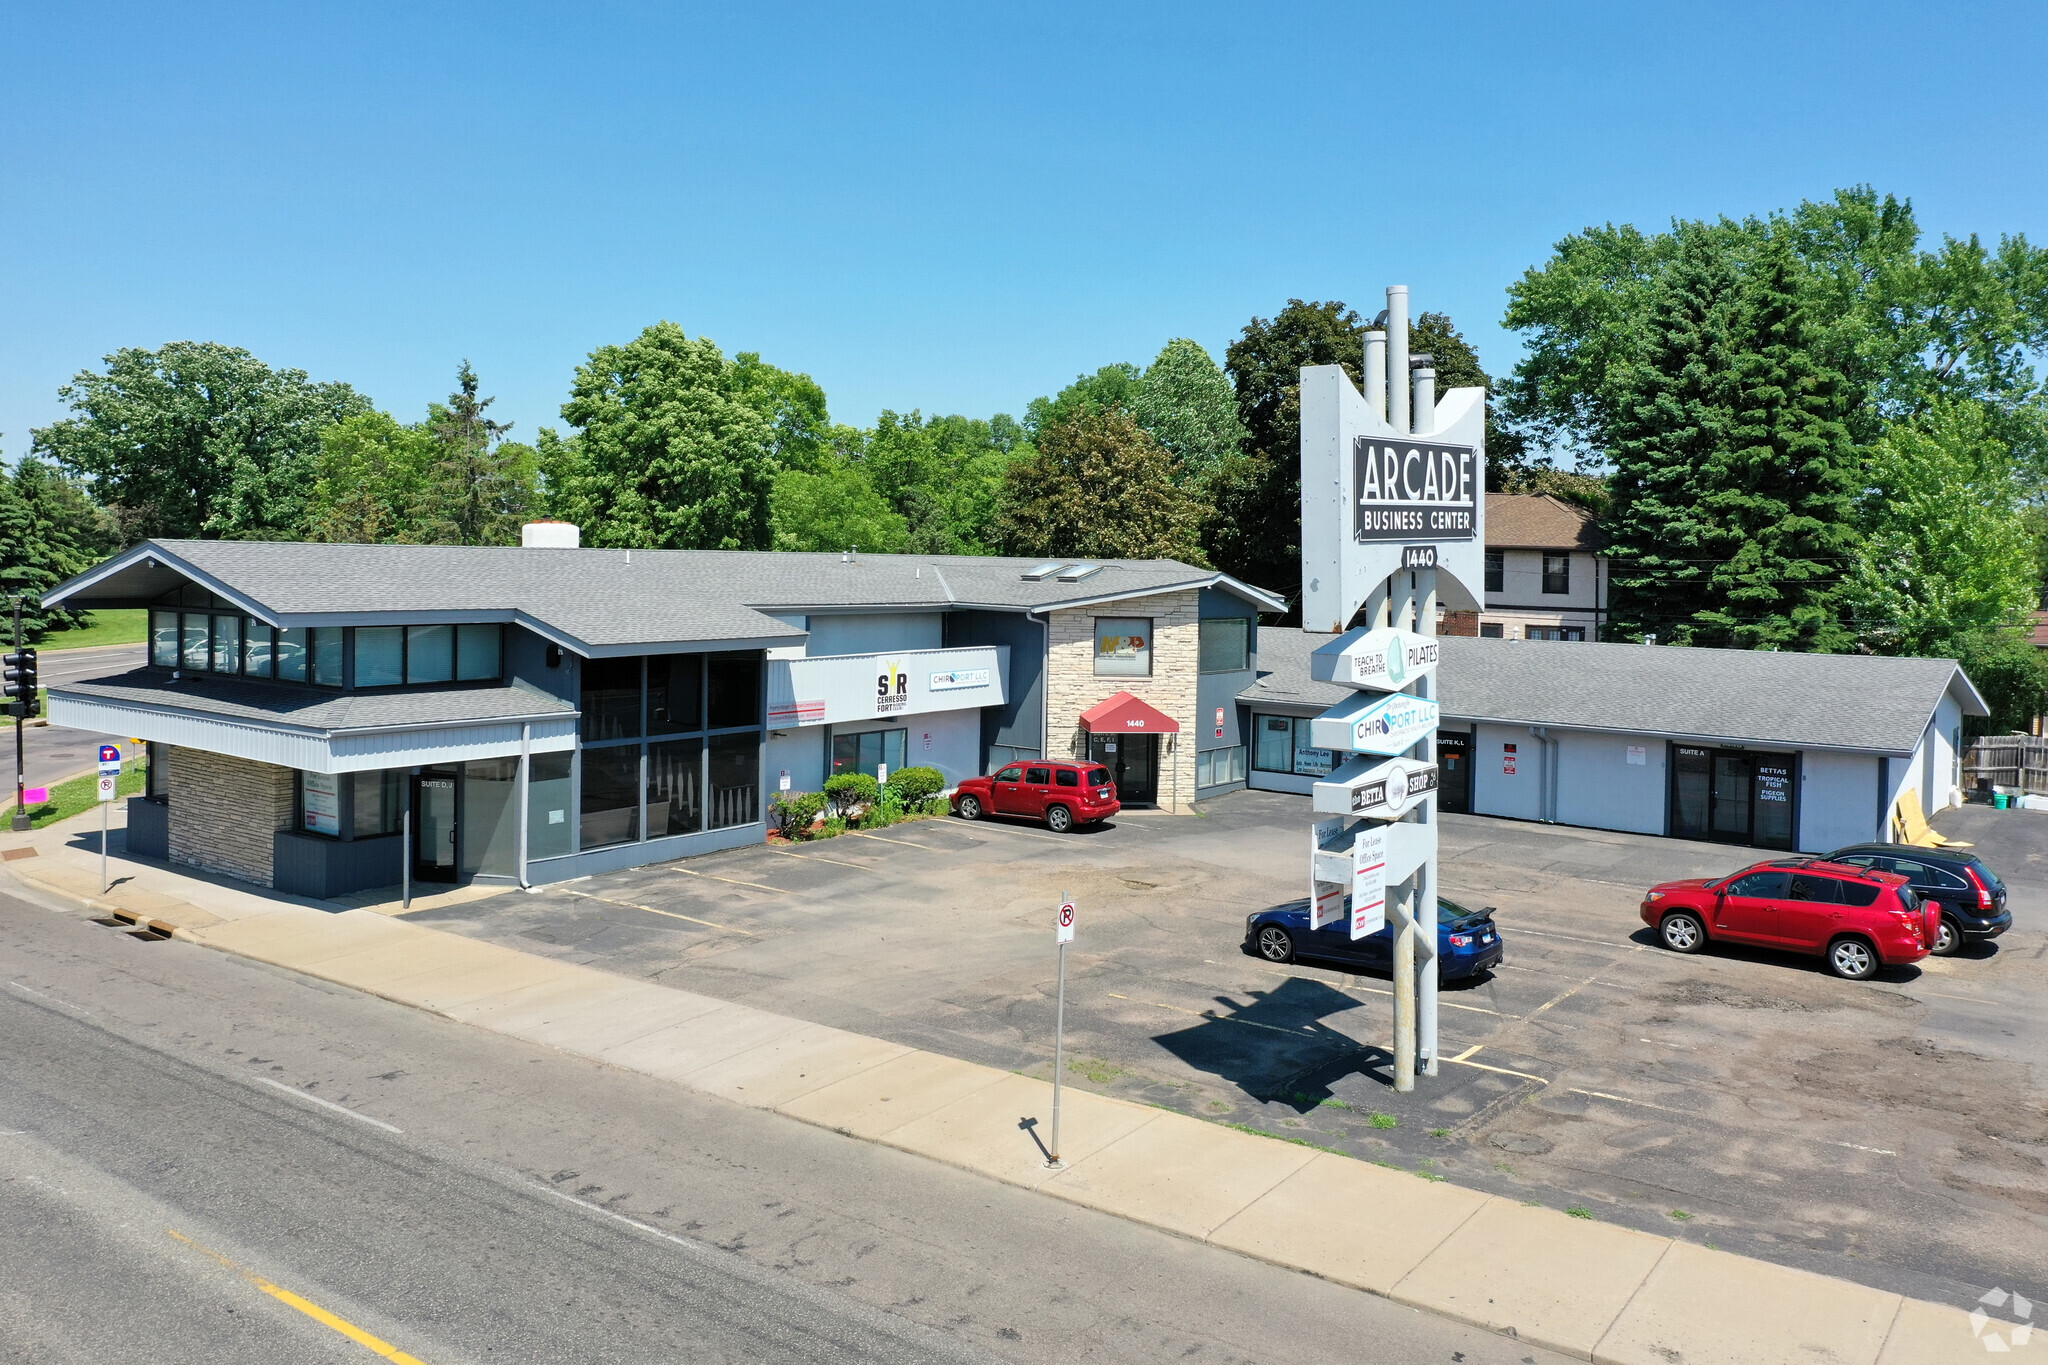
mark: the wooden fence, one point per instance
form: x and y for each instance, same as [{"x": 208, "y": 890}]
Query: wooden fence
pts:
[{"x": 2015, "y": 762}]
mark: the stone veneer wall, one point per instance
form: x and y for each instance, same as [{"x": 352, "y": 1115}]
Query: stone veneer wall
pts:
[
  {"x": 225, "y": 811},
  {"x": 1071, "y": 686}
]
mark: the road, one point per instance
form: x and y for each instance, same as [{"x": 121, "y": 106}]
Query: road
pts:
[
  {"x": 51, "y": 753},
  {"x": 204, "y": 1158}
]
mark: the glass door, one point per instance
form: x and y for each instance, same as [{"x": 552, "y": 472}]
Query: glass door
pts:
[
  {"x": 433, "y": 827},
  {"x": 1454, "y": 771},
  {"x": 1130, "y": 760},
  {"x": 1731, "y": 797}
]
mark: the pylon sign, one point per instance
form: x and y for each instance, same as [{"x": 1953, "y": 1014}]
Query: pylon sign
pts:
[
  {"x": 1383, "y": 791},
  {"x": 1385, "y": 658},
  {"x": 1386, "y": 723}
]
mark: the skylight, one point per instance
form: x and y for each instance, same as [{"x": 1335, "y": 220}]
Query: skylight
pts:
[
  {"x": 1075, "y": 573},
  {"x": 1043, "y": 571}
]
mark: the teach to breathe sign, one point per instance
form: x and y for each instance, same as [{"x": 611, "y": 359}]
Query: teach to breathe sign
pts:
[{"x": 1413, "y": 490}]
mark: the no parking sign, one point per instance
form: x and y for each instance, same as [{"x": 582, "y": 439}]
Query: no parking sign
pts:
[{"x": 1066, "y": 924}]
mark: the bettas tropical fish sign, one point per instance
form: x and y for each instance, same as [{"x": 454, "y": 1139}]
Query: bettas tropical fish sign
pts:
[
  {"x": 1375, "y": 723},
  {"x": 1378, "y": 791},
  {"x": 1387, "y": 658}
]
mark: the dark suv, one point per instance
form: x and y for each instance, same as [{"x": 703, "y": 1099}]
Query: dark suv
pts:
[{"x": 1971, "y": 897}]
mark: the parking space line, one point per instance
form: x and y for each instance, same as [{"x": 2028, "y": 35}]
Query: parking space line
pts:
[
  {"x": 713, "y": 877},
  {"x": 1623, "y": 1099},
  {"x": 297, "y": 1093},
  {"x": 1497, "y": 1070},
  {"x": 1229, "y": 1019},
  {"x": 1022, "y": 833},
  {"x": 1859, "y": 1147},
  {"x": 722, "y": 928},
  {"x": 1343, "y": 985},
  {"x": 1570, "y": 938},
  {"x": 880, "y": 839},
  {"x": 817, "y": 858}
]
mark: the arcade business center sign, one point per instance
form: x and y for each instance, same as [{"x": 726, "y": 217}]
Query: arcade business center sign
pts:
[{"x": 1413, "y": 490}]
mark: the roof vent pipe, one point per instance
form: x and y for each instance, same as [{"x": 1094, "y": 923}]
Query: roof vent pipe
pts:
[
  {"x": 1376, "y": 372},
  {"x": 1397, "y": 357},
  {"x": 1423, "y": 368},
  {"x": 550, "y": 535}
]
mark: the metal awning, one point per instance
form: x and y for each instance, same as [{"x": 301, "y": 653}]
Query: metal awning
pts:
[{"x": 1124, "y": 714}]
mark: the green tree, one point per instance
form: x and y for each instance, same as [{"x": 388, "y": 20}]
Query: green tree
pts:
[
  {"x": 372, "y": 480},
  {"x": 1780, "y": 495},
  {"x": 943, "y": 476},
  {"x": 1508, "y": 466},
  {"x": 1112, "y": 386},
  {"x": 1187, "y": 404},
  {"x": 480, "y": 487},
  {"x": 835, "y": 507},
  {"x": 1255, "y": 532},
  {"x": 793, "y": 405},
  {"x": 1672, "y": 412},
  {"x": 1950, "y": 554},
  {"x": 197, "y": 439},
  {"x": 1098, "y": 487},
  {"x": 2011, "y": 673},
  {"x": 667, "y": 453},
  {"x": 49, "y": 531}
]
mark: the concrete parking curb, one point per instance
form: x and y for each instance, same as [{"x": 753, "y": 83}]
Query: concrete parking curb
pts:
[{"x": 1595, "y": 1291}]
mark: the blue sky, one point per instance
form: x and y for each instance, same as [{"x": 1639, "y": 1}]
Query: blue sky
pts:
[{"x": 946, "y": 207}]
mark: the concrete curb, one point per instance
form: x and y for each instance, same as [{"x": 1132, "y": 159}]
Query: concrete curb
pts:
[{"x": 1591, "y": 1290}]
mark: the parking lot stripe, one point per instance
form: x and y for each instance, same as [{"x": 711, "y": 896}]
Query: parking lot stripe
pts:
[
  {"x": 1221, "y": 1018},
  {"x": 816, "y": 858},
  {"x": 881, "y": 839},
  {"x": 729, "y": 881},
  {"x": 1344, "y": 984},
  {"x": 1622, "y": 1099},
  {"x": 722, "y": 928},
  {"x": 1568, "y": 938},
  {"x": 1859, "y": 1147},
  {"x": 1497, "y": 1070}
]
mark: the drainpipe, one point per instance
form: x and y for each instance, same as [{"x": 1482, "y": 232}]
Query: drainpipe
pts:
[
  {"x": 1546, "y": 780},
  {"x": 525, "y": 779}
]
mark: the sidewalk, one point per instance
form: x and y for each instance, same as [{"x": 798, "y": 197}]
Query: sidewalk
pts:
[{"x": 1592, "y": 1290}]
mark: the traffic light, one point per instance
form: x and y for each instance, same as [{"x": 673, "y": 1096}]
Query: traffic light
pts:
[{"x": 20, "y": 689}]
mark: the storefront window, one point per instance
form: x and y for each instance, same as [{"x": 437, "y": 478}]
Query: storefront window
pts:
[
  {"x": 1216, "y": 767},
  {"x": 870, "y": 752},
  {"x": 611, "y": 796},
  {"x": 380, "y": 656},
  {"x": 1281, "y": 744},
  {"x": 291, "y": 654},
  {"x": 379, "y": 802},
  {"x": 429, "y": 654},
  {"x": 735, "y": 690},
  {"x": 196, "y": 647},
  {"x": 259, "y": 648},
  {"x": 490, "y": 841},
  {"x": 1123, "y": 647},
  {"x": 547, "y": 805},
  {"x": 478, "y": 648},
  {"x": 227, "y": 643},
  {"x": 1226, "y": 645},
  {"x": 611, "y": 699},
  {"x": 163, "y": 639},
  {"x": 675, "y": 686},
  {"x": 320, "y": 803},
  {"x": 735, "y": 780},
  {"x": 324, "y": 645},
  {"x": 675, "y": 777}
]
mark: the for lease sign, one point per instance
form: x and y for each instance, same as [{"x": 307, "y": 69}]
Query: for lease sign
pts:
[{"x": 1413, "y": 490}]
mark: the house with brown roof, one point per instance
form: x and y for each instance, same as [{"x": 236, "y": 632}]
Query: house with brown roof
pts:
[{"x": 1546, "y": 572}]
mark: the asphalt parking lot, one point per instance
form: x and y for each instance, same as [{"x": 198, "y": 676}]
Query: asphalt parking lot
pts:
[{"x": 1892, "y": 1131}]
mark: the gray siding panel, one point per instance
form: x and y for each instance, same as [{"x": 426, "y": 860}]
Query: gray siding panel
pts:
[
  {"x": 149, "y": 828},
  {"x": 308, "y": 865},
  {"x": 1020, "y": 721}
]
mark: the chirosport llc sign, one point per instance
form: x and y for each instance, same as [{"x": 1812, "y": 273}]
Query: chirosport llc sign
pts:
[{"x": 1413, "y": 490}]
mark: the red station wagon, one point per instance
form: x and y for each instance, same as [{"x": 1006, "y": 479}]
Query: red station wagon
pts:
[
  {"x": 1061, "y": 794},
  {"x": 1856, "y": 918}
]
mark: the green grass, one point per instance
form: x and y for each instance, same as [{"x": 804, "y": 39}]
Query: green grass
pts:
[
  {"x": 1579, "y": 1211},
  {"x": 1282, "y": 1137},
  {"x": 79, "y": 794},
  {"x": 1432, "y": 1175},
  {"x": 1680, "y": 1216},
  {"x": 102, "y": 628},
  {"x": 1096, "y": 1069},
  {"x": 1439, "y": 1132},
  {"x": 1385, "y": 1121}
]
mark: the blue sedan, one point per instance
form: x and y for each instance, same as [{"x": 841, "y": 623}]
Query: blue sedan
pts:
[{"x": 1467, "y": 942}]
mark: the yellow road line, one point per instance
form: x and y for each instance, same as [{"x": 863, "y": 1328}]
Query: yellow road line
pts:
[
  {"x": 1498, "y": 1070},
  {"x": 312, "y": 1310},
  {"x": 819, "y": 858},
  {"x": 722, "y": 928}
]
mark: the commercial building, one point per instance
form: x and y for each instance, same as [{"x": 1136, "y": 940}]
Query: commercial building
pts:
[
  {"x": 1773, "y": 750},
  {"x": 546, "y": 711}
]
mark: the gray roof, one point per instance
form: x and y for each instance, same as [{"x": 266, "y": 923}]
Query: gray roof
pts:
[
  {"x": 317, "y": 709},
  {"x": 604, "y": 598},
  {"x": 1828, "y": 701}
]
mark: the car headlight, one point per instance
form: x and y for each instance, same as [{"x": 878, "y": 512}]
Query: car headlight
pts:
[
  {"x": 1251, "y": 919},
  {"x": 1654, "y": 896}
]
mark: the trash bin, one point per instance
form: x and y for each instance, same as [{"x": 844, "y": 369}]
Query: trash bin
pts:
[{"x": 2001, "y": 800}]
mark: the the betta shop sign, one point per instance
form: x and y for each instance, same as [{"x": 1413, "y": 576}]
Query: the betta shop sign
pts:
[{"x": 1413, "y": 490}]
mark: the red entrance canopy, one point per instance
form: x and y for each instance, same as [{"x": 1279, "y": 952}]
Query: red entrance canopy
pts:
[{"x": 1124, "y": 714}]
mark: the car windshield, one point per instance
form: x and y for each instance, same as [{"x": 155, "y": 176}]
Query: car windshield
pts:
[
  {"x": 1450, "y": 912},
  {"x": 1098, "y": 777}
]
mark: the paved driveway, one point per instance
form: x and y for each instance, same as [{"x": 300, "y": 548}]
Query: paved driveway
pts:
[{"x": 1891, "y": 1131}]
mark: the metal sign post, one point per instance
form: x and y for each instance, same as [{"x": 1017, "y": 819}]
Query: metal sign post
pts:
[
  {"x": 110, "y": 783},
  {"x": 1063, "y": 935},
  {"x": 21, "y": 820}
]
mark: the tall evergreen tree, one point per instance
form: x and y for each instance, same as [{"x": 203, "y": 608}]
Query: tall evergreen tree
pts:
[
  {"x": 1673, "y": 412},
  {"x": 1185, "y": 401},
  {"x": 1779, "y": 495},
  {"x": 480, "y": 486},
  {"x": 49, "y": 530}
]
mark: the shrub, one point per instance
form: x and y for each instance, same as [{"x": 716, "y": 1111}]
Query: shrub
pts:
[
  {"x": 915, "y": 786},
  {"x": 795, "y": 813},
  {"x": 848, "y": 791}
]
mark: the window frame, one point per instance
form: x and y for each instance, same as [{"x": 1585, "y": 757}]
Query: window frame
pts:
[
  {"x": 1561, "y": 575},
  {"x": 1244, "y": 643},
  {"x": 1496, "y": 571},
  {"x": 1146, "y": 632}
]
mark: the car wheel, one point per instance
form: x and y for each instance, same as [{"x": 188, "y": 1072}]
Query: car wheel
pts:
[
  {"x": 969, "y": 808},
  {"x": 1059, "y": 819},
  {"x": 1682, "y": 932},
  {"x": 1948, "y": 939},
  {"x": 1852, "y": 959},
  {"x": 1276, "y": 944}
]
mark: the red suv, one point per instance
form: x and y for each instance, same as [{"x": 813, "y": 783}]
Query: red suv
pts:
[
  {"x": 1856, "y": 918},
  {"x": 1061, "y": 794}
]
